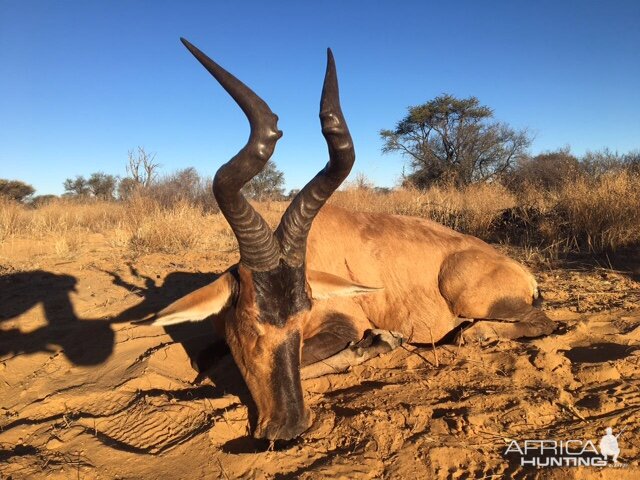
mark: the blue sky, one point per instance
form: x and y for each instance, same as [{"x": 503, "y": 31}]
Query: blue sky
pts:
[{"x": 83, "y": 82}]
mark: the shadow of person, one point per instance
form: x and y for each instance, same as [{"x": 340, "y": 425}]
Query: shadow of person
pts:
[
  {"x": 155, "y": 297},
  {"x": 83, "y": 341},
  {"x": 194, "y": 336},
  {"x": 207, "y": 350}
]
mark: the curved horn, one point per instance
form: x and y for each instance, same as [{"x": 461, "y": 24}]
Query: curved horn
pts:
[
  {"x": 258, "y": 248},
  {"x": 296, "y": 221}
]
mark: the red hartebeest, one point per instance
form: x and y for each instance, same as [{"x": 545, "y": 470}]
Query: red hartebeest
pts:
[{"x": 326, "y": 275}]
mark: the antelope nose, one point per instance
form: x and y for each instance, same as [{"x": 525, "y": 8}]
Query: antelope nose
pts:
[{"x": 289, "y": 429}]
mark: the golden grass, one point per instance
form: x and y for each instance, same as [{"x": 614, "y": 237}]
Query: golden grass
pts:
[
  {"x": 471, "y": 210},
  {"x": 58, "y": 217},
  {"x": 585, "y": 214},
  {"x": 604, "y": 214},
  {"x": 10, "y": 214}
]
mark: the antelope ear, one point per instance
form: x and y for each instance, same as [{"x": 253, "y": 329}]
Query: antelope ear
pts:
[
  {"x": 326, "y": 285},
  {"x": 198, "y": 305}
]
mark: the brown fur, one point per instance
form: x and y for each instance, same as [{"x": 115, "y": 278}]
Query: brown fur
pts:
[
  {"x": 364, "y": 271},
  {"x": 367, "y": 271},
  {"x": 254, "y": 345},
  {"x": 431, "y": 274}
]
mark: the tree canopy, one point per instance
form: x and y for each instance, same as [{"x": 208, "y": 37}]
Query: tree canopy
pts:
[
  {"x": 450, "y": 139},
  {"x": 99, "y": 185},
  {"x": 102, "y": 185},
  {"x": 15, "y": 189},
  {"x": 268, "y": 184},
  {"x": 76, "y": 186}
]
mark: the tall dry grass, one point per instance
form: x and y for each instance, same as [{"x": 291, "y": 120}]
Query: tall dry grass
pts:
[
  {"x": 10, "y": 215},
  {"x": 471, "y": 210},
  {"x": 63, "y": 224},
  {"x": 58, "y": 217},
  {"x": 602, "y": 214},
  {"x": 585, "y": 214},
  {"x": 593, "y": 214},
  {"x": 140, "y": 225}
]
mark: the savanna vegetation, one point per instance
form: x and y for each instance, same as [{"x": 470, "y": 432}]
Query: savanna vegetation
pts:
[
  {"x": 582, "y": 213},
  {"x": 467, "y": 171}
]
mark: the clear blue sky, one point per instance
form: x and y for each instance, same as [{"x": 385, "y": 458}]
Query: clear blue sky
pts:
[{"x": 82, "y": 82}]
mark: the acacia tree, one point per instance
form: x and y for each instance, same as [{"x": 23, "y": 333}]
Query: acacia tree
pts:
[
  {"x": 449, "y": 139},
  {"x": 99, "y": 185},
  {"x": 102, "y": 185},
  {"x": 77, "y": 186},
  {"x": 268, "y": 184},
  {"x": 15, "y": 189}
]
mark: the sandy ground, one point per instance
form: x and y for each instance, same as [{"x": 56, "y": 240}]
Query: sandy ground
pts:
[{"x": 84, "y": 394}]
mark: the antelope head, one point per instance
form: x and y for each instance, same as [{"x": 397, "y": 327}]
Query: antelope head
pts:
[{"x": 266, "y": 298}]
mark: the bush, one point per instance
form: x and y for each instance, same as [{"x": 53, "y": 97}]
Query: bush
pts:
[
  {"x": 180, "y": 187},
  {"x": 41, "y": 200},
  {"x": 601, "y": 214},
  {"x": 547, "y": 171}
]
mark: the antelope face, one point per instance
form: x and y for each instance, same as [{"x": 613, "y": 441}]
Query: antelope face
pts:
[
  {"x": 264, "y": 315},
  {"x": 265, "y": 337}
]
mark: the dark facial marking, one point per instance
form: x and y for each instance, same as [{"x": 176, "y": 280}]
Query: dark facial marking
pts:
[
  {"x": 280, "y": 293},
  {"x": 286, "y": 385},
  {"x": 336, "y": 334}
]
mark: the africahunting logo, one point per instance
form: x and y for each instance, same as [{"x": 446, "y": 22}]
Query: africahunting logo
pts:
[{"x": 567, "y": 453}]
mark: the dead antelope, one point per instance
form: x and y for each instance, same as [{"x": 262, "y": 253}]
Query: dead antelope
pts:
[{"x": 325, "y": 276}]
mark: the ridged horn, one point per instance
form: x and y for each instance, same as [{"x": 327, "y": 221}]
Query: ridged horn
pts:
[
  {"x": 296, "y": 222},
  {"x": 259, "y": 249}
]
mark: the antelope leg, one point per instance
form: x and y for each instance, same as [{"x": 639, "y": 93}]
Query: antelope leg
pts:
[
  {"x": 374, "y": 343},
  {"x": 532, "y": 323}
]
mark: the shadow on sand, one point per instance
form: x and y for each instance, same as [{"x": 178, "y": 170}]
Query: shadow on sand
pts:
[
  {"x": 84, "y": 341},
  {"x": 90, "y": 341},
  {"x": 208, "y": 352}
]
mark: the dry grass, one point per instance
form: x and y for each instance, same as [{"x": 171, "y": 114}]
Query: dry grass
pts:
[
  {"x": 604, "y": 214},
  {"x": 471, "y": 210},
  {"x": 141, "y": 225},
  {"x": 10, "y": 214},
  {"x": 171, "y": 231},
  {"x": 584, "y": 214},
  {"x": 58, "y": 217}
]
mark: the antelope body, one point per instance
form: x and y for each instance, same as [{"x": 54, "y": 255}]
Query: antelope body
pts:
[
  {"x": 432, "y": 276},
  {"x": 326, "y": 275}
]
